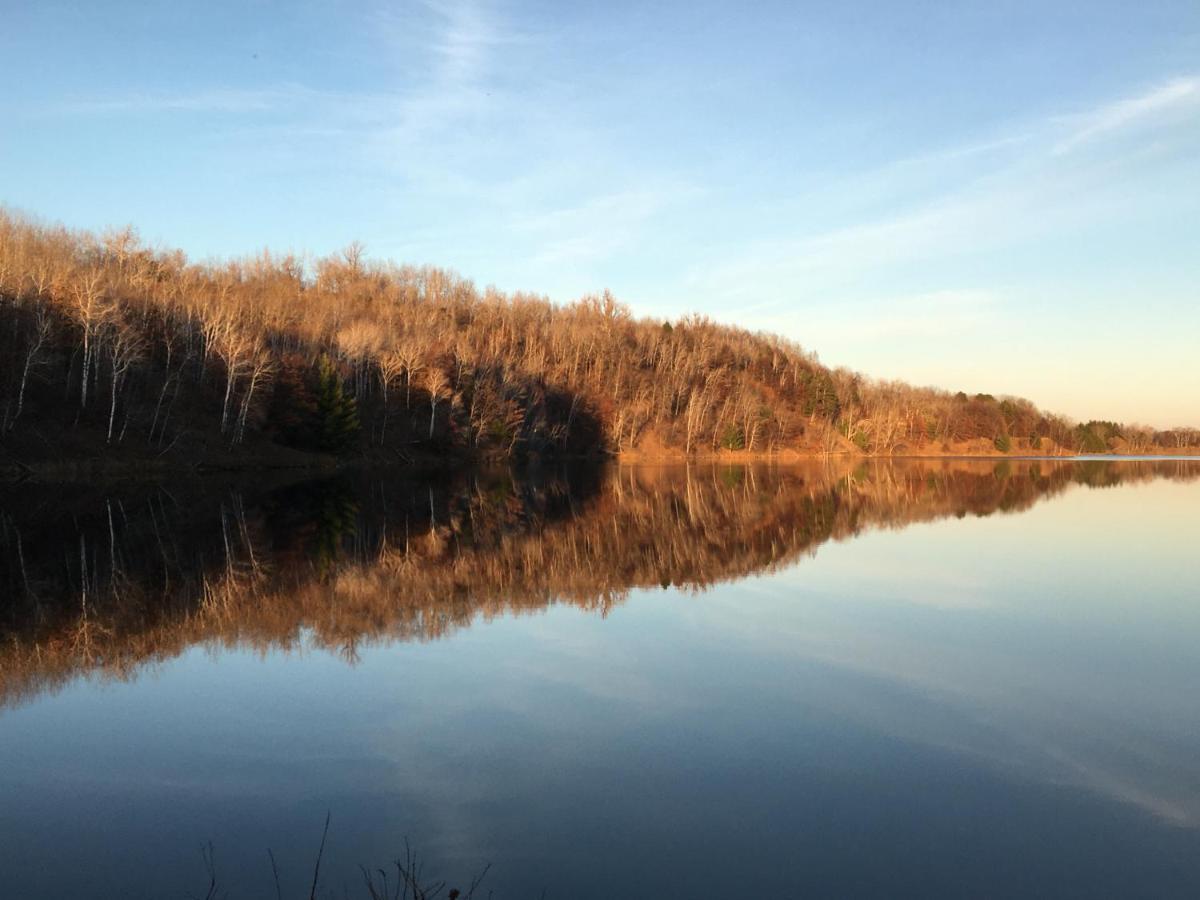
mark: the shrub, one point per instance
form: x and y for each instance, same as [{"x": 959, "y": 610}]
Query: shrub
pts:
[{"x": 733, "y": 439}]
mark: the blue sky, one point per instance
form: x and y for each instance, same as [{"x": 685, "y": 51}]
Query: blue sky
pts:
[{"x": 993, "y": 196}]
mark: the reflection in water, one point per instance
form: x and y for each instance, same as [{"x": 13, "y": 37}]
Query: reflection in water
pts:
[
  {"x": 105, "y": 581},
  {"x": 985, "y": 705}
]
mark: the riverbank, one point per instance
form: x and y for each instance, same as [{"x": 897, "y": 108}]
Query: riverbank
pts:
[
  {"x": 789, "y": 455},
  {"x": 118, "y": 466}
]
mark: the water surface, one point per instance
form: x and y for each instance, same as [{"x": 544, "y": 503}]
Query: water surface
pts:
[{"x": 946, "y": 678}]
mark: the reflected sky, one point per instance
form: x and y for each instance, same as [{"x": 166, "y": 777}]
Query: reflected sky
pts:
[{"x": 995, "y": 704}]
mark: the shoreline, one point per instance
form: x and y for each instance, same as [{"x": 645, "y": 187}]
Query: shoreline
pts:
[
  {"x": 788, "y": 456},
  {"x": 85, "y": 468}
]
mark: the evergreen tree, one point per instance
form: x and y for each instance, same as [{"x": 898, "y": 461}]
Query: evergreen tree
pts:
[{"x": 337, "y": 413}]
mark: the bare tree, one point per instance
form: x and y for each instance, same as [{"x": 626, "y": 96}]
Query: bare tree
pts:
[
  {"x": 392, "y": 366},
  {"x": 125, "y": 347},
  {"x": 436, "y": 383},
  {"x": 92, "y": 310},
  {"x": 261, "y": 367},
  {"x": 38, "y": 337}
]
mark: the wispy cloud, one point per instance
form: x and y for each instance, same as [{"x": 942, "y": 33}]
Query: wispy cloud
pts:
[
  {"x": 462, "y": 124},
  {"x": 1018, "y": 188},
  {"x": 466, "y": 37},
  {"x": 447, "y": 54},
  {"x": 444, "y": 53},
  {"x": 781, "y": 268},
  {"x": 475, "y": 125},
  {"x": 1177, "y": 94},
  {"x": 597, "y": 228}
]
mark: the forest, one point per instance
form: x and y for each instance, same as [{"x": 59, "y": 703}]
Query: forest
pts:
[{"x": 114, "y": 350}]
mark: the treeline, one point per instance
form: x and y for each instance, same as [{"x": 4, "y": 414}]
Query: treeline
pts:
[{"x": 109, "y": 346}]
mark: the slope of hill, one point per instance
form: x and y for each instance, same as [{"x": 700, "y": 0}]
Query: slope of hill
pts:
[{"x": 113, "y": 351}]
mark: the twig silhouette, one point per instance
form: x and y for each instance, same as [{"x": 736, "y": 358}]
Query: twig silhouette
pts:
[{"x": 320, "y": 852}]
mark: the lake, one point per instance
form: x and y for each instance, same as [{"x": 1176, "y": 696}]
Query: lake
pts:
[{"x": 922, "y": 678}]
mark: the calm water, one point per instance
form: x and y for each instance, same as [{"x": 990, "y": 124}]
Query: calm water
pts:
[{"x": 955, "y": 679}]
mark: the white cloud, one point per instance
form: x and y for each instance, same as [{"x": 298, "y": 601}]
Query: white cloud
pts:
[
  {"x": 597, "y": 228},
  {"x": 1015, "y": 189},
  {"x": 464, "y": 41},
  {"x": 1178, "y": 94}
]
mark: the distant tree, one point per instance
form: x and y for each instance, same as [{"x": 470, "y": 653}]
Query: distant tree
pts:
[
  {"x": 337, "y": 413},
  {"x": 437, "y": 384},
  {"x": 733, "y": 438},
  {"x": 819, "y": 393},
  {"x": 39, "y": 336},
  {"x": 1096, "y": 436},
  {"x": 392, "y": 366},
  {"x": 125, "y": 347}
]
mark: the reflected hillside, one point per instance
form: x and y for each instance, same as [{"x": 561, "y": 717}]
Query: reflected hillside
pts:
[{"x": 103, "y": 582}]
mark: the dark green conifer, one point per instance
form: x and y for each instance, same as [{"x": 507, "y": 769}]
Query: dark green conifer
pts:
[{"x": 337, "y": 413}]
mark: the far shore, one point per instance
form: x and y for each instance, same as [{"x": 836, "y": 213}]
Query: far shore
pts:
[
  {"x": 788, "y": 455},
  {"x": 80, "y": 469}
]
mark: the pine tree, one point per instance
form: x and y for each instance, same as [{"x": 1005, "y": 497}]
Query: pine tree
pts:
[{"x": 337, "y": 413}]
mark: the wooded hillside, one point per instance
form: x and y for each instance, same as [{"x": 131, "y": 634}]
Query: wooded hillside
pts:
[{"x": 109, "y": 347}]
